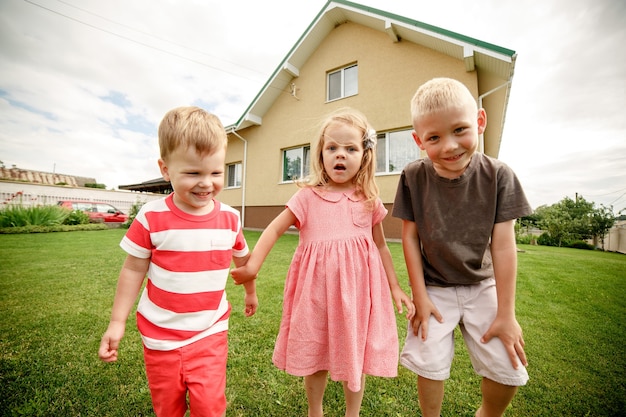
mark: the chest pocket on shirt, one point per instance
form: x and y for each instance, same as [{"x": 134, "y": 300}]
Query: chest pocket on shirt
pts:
[
  {"x": 221, "y": 253},
  {"x": 361, "y": 217}
]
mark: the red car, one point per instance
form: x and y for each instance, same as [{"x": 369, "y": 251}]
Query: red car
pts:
[{"x": 97, "y": 212}]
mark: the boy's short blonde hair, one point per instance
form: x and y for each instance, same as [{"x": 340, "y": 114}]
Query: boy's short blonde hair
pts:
[
  {"x": 438, "y": 94},
  {"x": 191, "y": 126}
]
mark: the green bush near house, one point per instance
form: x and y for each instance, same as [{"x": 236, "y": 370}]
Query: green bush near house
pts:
[
  {"x": 56, "y": 292},
  {"x": 44, "y": 219},
  {"x": 95, "y": 185},
  {"x": 579, "y": 244},
  {"x": 134, "y": 209},
  {"x": 52, "y": 229},
  {"x": 18, "y": 216},
  {"x": 77, "y": 217}
]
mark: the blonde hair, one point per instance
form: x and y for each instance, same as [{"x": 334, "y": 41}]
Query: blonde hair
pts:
[
  {"x": 191, "y": 126},
  {"x": 364, "y": 179},
  {"x": 439, "y": 94}
]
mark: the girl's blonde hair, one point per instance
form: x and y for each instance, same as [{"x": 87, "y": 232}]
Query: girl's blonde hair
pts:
[
  {"x": 191, "y": 126},
  {"x": 364, "y": 179}
]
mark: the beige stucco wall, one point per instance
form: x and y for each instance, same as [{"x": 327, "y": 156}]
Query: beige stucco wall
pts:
[{"x": 389, "y": 74}]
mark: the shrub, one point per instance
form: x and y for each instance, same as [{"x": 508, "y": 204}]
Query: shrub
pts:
[
  {"x": 77, "y": 217},
  {"x": 16, "y": 216},
  {"x": 526, "y": 239},
  {"x": 132, "y": 213},
  {"x": 546, "y": 240},
  {"x": 50, "y": 229},
  {"x": 95, "y": 185},
  {"x": 579, "y": 244}
]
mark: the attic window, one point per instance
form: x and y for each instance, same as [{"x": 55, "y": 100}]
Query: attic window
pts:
[{"x": 343, "y": 83}]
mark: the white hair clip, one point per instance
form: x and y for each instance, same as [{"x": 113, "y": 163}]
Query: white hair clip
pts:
[{"x": 370, "y": 139}]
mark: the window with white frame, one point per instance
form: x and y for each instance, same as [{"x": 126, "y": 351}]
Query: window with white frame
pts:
[
  {"x": 395, "y": 150},
  {"x": 343, "y": 83},
  {"x": 233, "y": 175},
  {"x": 296, "y": 163}
]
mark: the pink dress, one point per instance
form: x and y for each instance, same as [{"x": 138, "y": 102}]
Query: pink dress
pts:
[{"x": 338, "y": 313}]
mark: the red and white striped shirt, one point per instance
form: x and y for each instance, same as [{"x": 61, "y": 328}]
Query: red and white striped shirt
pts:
[{"x": 184, "y": 299}]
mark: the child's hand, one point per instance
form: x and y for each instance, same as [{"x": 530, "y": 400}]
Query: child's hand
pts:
[
  {"x": 424, "y": 308},
  {"x": 400, "y": 297},
  {"x": 252, "y": 302},
  {"x": 509, "y": 332},
  {"x": 243, "y": 274},
  {"x": 110, "y": 342}
]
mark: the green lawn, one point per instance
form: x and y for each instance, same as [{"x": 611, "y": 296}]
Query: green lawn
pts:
[{"x": 56, "y": 291}]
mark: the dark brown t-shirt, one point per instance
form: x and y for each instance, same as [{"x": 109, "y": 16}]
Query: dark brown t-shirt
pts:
[{"x": 455, "y": 218}]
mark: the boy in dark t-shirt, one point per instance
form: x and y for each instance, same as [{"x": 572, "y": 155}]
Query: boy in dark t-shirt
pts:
[{"x": 458, "y": 210}]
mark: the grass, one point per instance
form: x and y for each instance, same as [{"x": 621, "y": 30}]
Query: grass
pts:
[{"x": 56, "y": 291}]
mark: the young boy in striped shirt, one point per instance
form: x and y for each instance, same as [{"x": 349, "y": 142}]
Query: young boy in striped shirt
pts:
[{"x": 184, "y": 244}]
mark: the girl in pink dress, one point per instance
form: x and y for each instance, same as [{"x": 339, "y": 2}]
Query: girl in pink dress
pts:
[{"x": 338, "y": 316}]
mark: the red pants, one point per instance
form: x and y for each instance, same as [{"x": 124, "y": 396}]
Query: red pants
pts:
[{"x": 198, "y": 369}]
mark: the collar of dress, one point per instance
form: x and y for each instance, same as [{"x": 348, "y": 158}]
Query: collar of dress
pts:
[{"x": 335, "y": 196}]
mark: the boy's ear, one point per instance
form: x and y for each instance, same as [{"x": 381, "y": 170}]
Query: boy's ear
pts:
[
  {"x": 163, "y": 169},
  {"x": 482, "y": 121},
  {"x": 417, "y": 140}
]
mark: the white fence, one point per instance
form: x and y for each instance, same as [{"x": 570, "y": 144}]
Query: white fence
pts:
[
  {"x": 27, "y": 194},
  {"x": 615, "y": 240}
]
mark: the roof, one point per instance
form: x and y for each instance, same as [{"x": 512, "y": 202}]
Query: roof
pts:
[
  {"x": 476, "y": 54},
  {"x": 157, "y": 185},
  {"x": 41, "y": 177}
]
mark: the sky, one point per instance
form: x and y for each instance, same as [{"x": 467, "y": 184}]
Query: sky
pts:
[{"x": 84, "y": 84}]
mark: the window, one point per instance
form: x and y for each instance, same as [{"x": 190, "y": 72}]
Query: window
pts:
[
  {"x": 83, "y": 206},
  {"x": 234, "y": 175},
  {"x": 105, "y": 208},
  {"x": 395, "y": 150},
  {"x": 296, "y": 163},
  {"x": 343, "y": 83}
]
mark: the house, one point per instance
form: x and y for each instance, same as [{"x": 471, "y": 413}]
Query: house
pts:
[{"x": 354, "y": 56}]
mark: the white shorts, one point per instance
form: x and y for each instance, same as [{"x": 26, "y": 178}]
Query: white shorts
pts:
[{"x": 473, "y": 308}]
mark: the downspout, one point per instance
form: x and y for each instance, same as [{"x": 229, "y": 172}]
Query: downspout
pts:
[
  {"x": 480, "y": 106},
  {"x": 243, "y": 177}
]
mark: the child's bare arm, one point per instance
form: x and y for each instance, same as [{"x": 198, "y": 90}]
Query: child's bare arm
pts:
[
  {"x": 505, "y": 325},
  {"x": 399, "y": 296},
  {"x": 129, "y": 283},
  {"x": 251, "y": 300},
  {"x": 424, "y": 307},
  {"x": 266, "y": 242}
]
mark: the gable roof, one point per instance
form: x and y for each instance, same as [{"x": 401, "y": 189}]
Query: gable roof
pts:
[{"x": 477, "y": 55}]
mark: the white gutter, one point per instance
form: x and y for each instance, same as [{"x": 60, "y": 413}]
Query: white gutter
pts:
[
  {"x": 480, "y": 106},
  {"x": 243, "y": 177}
]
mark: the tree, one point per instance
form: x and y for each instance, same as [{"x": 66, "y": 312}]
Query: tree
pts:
[
  {"x": 571, "y": 220},
  {"x": 579, "y": 212},
  {"x": 601, "y": 221},
  {"x": 530, "y": 221},
  {"x": 556, "y": 221}
]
